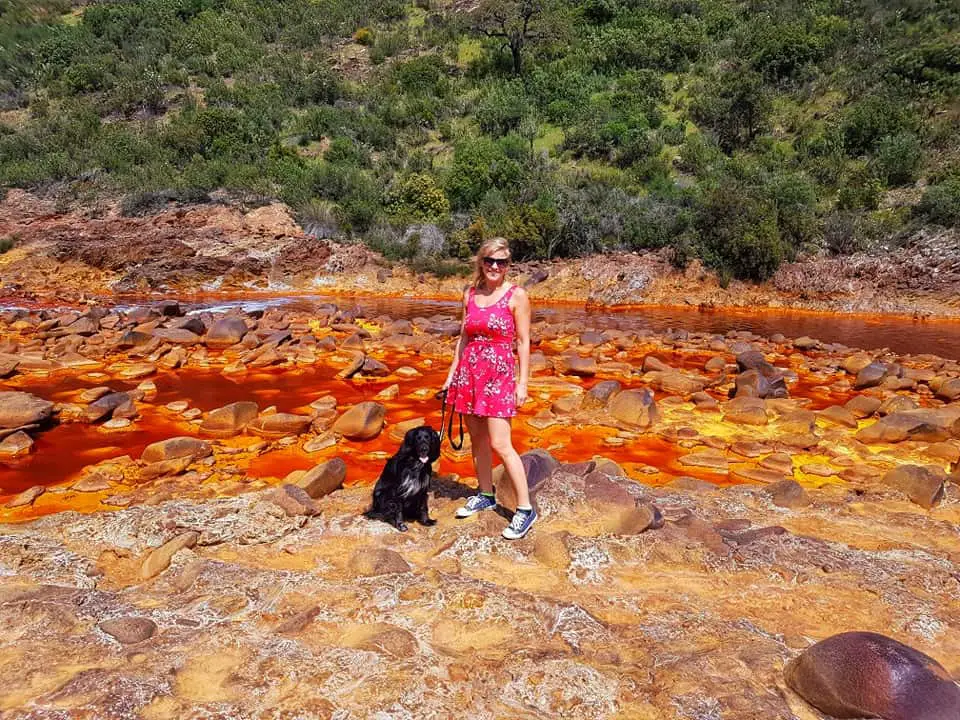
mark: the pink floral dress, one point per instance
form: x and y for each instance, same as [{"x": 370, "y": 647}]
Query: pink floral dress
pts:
[{"x": 485, "y": 380}]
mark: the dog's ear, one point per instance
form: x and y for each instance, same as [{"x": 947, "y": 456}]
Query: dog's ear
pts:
[
  {"x": 434, "y": 445},
  {"x": 409, "y": 441}
]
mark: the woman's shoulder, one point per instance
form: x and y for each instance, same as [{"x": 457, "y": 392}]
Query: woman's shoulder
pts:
[{"x": 518, "y": 296}]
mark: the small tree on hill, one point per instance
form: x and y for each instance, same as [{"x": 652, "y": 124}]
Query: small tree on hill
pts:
[{"x": 517, "y": 22}]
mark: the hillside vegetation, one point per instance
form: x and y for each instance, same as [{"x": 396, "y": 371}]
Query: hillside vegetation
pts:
[{"x": 742, "y": 133}]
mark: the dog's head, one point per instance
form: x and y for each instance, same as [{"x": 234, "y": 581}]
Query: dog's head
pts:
[{"x": 423, "y": 443}]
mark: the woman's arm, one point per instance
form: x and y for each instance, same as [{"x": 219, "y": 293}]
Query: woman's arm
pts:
[
  {"x": 458, "y": 349},
  {"x": 521, "y": 317}
]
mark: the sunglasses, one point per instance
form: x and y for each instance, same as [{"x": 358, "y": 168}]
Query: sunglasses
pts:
[{"x": 496, "y": 262}]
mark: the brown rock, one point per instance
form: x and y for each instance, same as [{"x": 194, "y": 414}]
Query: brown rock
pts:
[
  {"x": 26, "y": 497},
  {"x": 838, "y": 415},
  {"x": 129, "y": 630},
  {"x": 15, "y": 445},
  {"x": 361, "y": 422},
  {"x": 19, "y": 408},
  {"x": 164, "y": 468},
  {"x": 538, "y": 465},
  {"x": 575, "y": 365},
  {"x": 635, "y": 409},
  {"x": 177, "y": 336},
  {"x": 870, "y": 376},
  {"x": 226, "y": 331},
  {"x": 922, "y": 485},
  {"x": 676, "y": 383},
  {"x": 324, "y": 478},
  {"x": 280, "y": 425},
  {"x": 299, "y": 622},
  {"x": 896, "y": 403},
  {"x": 158, "y": 559},
  {"x": 685, "y": 482},
  {"x": 863, "y": 406},
  {"x": 745, "y": 411},
  {"x": 857, "y": 362},
  {"x": 924, "y": 425},
  {"x": 600, "y": 394},
  {"x": 229, "y": 420},
  {"x": 863, "y": 674},
  {"x": 787, "y": 494},
  {"x": 949, "y": 390},
  {"x": 377, "y": 561},
  {"x": 174, "y": 448},
  {"x": 293, "y": 500}
]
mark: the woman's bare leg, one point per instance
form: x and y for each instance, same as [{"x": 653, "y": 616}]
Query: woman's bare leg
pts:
[
  {"x": 480, "y": 447},
  {"x": 501, "y": 441}
]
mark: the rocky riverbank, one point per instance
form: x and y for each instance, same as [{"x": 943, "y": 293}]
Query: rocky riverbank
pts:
[
  {"x": 711, "y": 506},
  {"x": 62, "y": 253}
]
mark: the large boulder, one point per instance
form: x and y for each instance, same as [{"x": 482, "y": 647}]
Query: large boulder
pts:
[
  {"x": 226, "y": 331},
  {"x": 635, "y": 409},
  {"x": 19, "y": 408},
  {"x": 324, "y": 478},
  {"x": 753, "y": 383},
  {"x": 746, "y": 411},
  {"x": 229, "y": 420},
  {"x": 361, "y": 422},
  {"x": 867, "y": 675},
  {"x": 177, "y": 447}
]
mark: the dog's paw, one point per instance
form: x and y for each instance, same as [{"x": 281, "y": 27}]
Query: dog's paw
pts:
[
  {"x": 402, "y": 527},
  {"x": 428, "y": 522}
]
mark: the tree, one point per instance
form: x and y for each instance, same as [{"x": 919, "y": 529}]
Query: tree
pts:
[{"x": 516, "y": 22}]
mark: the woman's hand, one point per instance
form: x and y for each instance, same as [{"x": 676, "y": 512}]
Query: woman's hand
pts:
[{"x": 521, "y": 393}]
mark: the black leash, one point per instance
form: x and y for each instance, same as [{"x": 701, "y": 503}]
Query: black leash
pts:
[{"x": 446, "y": 424}]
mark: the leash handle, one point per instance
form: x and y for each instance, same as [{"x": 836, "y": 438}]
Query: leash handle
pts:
[{"x": 446, "y": 424}]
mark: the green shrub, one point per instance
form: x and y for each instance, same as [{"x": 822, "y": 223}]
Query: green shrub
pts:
[
  {"x": 860, "y": 191},
  {"x": 143, "y": 203},
  {"x": 870, "y": 120},
  {"x": 740, "y": 234},
  {"x": 897, "y": 159},
  {"x": 941, "y": 202},
  {"x": 502, "y": 107},
  {"x": 479, "y": 165},
  {"x": 419, "y": 198}
]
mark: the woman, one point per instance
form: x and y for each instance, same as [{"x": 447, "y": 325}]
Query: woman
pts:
[{"x": 482, "y": 379}]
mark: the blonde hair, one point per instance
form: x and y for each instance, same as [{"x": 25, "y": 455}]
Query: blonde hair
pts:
[{"x": 488, "y": 247}]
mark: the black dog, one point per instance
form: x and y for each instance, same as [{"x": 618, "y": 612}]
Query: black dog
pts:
[{"x": 401, "y": 491}]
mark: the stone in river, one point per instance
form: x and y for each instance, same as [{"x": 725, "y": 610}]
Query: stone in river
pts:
[
  {"x": 230, "y": 419},
  {"x": 362, "y": 421},
  {"x": 26, "y": 497},
  {"x": 280, "y": 424},
  {"x": 575, "y": 365},
  {"x": 137, "y": 370},
  {"x": 838, "y": 415},
  {"x": 746, "y": 411},
  {"x": 863, "y": 406},
  {"x": 324, "y": 478},
  {"x": 636, "y": 409},
  {"x": 176, "y": 447},
  {"x": 868, "y": 675},
  {"x": 226, "y": 331},
  {"x": 19, "y": 408},
  {"x": 871, "y": 376},
  {"x": 925, "y": 425},
  {"x": 19, "y": 443},
  {"x": 538, "y": 464}
]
